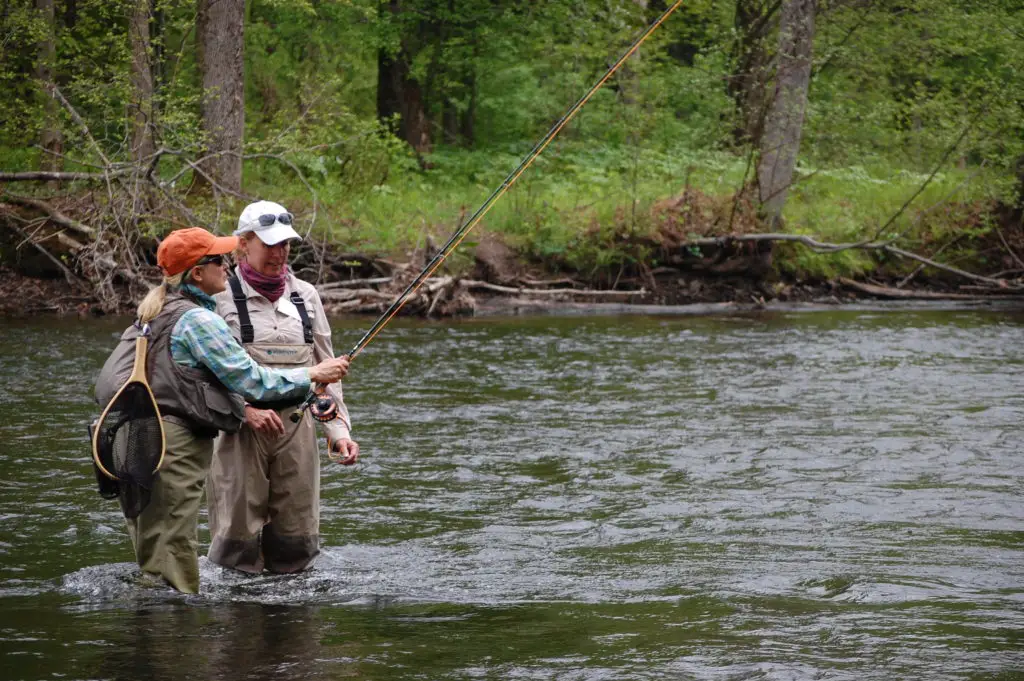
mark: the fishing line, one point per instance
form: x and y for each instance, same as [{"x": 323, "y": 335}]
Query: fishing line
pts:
[{"x": 317, "y": 399}]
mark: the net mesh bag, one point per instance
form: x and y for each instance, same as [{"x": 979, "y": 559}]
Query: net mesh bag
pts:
[{"x": 129, "y": 443}]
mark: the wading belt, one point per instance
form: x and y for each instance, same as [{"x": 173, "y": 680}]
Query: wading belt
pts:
[{"x": 245, "y": 324}]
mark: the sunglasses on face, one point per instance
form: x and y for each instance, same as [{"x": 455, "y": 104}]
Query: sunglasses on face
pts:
[
  {"x": 207, "y": 259},
  {"x": 269, "y": 219}
]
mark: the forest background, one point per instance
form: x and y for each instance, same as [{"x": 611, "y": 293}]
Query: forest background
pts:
[{"x": 778, "y": 141}]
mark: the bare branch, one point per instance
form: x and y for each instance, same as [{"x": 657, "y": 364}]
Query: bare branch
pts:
[
  {"x": 917, "y": 270},
  {"x": 302, "y": 178},
  {"x": 940, "y": 266},
  {"x": 70, "y": 276},
  {"x": 55, "y": 91},
  {"x": 1006, "y": 245},
  {"x": 55, "y": 215},
  {"x": 818, "y": 246},
  {"x": 194, "y": 165}
]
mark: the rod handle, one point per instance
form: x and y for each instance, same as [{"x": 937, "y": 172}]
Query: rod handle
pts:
[{"x": 296, "y": 415}]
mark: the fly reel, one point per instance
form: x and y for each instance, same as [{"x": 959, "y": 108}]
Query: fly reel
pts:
[
  {"x": 321, "y": 405},
  {"x": 324, "y": 409}
]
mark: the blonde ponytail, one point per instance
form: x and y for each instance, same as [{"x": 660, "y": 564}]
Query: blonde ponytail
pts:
[{"x": 153, "y": 303}]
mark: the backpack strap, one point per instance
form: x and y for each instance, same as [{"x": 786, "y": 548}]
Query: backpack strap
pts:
[
  {"x": 307, "y": 325},
  {"x": 244, "y": 323}
]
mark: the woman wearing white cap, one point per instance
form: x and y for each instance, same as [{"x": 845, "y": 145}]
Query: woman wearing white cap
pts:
[{"x": 264, "y": 488}]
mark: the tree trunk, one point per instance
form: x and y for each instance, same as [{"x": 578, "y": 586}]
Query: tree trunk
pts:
[
  {"x": 747, "y": 85},
  {"x": 415, "y": 123},
  {"x": 450, "y": 121},
  {"x": 158, "y": 61},
  {"x": 399, "y": 93},
  {"x": 469, "y": 115},
  {"x": 780, "y": 142},
  {"x": 50, "y": 138},
  {"x": 389, "y": 94},
  {"x": 140, "y": 109},
  {"x": 1020, "y": 184},
  {"x": 219, "y": 40},
  {"x": 70, "y": 13}
]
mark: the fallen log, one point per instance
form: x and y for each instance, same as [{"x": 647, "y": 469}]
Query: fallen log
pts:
[
  {"x": 471, "y": 284},
  {"x": 903, "y": 294},
  {"x": 53, "y": 176},
  {"x": 351, "y": 283},
  {"x": 338, "y": 296},
  {"x": 550, "y": 282}
]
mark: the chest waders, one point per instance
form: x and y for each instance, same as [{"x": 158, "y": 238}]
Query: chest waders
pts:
[
  {"x": 193, "y": 405},
  {"x": 264, "y": 491}
]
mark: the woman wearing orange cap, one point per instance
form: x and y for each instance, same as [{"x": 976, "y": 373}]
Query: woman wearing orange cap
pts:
[{"x": 199, "y": 375}]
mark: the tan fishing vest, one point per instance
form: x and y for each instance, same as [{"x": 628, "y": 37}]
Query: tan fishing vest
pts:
[
  {"x": 193, "y": 397},
  {"x": 274, "y": 355}
]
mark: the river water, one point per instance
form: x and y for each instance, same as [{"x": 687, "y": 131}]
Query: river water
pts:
[{"x": 827, "y": 495}]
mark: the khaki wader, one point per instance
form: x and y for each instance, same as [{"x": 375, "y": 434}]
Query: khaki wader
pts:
[
  {"x": 264, "y": 492},
  {"x": 164, "y": 534}
]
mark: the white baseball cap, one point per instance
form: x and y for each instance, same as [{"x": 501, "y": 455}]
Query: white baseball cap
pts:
[{"x": 271, "y": 222}]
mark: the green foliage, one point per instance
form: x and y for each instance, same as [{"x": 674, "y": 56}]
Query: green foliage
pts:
[
  {"x": 896, "y": 85},
  {"x": 900, "y": 84},
  {"x": 21, "y": 29},
  {"x": 297, "y": 53}
]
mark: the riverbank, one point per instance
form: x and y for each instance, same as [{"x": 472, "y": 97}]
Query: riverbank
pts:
[
  {"x": 23, "y": 296},
  {"x": 680, "y": 258}
]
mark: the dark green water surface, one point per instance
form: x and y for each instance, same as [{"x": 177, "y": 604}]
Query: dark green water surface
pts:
[{"x": 829, "y": 495}]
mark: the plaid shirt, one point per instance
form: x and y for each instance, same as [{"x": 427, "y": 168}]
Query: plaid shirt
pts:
[{"x": 201, "y": 338}]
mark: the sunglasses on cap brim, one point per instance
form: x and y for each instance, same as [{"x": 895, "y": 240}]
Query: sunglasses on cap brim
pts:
[{"x": 269, "y": 219}]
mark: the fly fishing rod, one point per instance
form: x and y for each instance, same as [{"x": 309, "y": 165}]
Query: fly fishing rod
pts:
[{"x": 321, "y": 405}]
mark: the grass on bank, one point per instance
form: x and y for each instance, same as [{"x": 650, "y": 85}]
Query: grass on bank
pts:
[
  {"x": 584, "y": 207},
  {"x": 578, "y": 206}
]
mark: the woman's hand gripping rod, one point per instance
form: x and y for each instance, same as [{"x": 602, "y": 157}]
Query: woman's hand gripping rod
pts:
[
  {"x": 330, "y": 370},
  {"x": 320, "y": 404}
]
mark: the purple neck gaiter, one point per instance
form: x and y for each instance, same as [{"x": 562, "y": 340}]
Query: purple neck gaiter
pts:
[{"x": 270, "y": 288}]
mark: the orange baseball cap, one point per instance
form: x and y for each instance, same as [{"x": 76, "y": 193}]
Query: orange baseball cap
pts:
[{"x": 183, "y": 248}]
